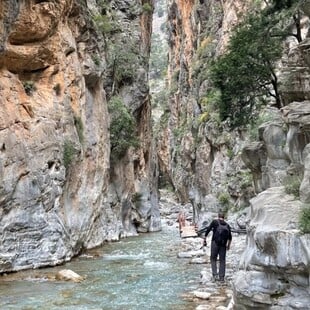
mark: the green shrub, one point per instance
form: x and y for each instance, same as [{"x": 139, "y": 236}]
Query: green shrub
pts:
[
  {"x": 104, "y": 23},
  {"x": 96, "y": 59},
  {"x": 122, "y": 128},
  {"x": 203, "y": 117},
  {"x": 304, "y": 219},
  {"x": 147, "y": 8},
  {"x": 246, "y": 179},
  {"x": 292, "y": 184},
  {"x": 122, "y": 64},
  {"x": 68, "y": 153},
  {"x": 29, "y": 87},
  {"x": 253, "y": 126},
  {"x": 230, "y": 153},
  {"x": 224, "y": 199}
]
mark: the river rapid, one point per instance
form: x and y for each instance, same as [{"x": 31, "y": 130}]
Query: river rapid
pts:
[{"x": 136, "y": 273}]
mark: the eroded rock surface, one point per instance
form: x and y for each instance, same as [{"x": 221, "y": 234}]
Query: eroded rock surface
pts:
[
  {"x": 275, "y": 264},
  {"x": 58, "y": 192}
]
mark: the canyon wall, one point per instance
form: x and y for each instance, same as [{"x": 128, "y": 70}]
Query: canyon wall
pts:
[
  {"x": 61, "y": 189},
  {"x": 214, "y": 167},
  {"x": 201, "y": 156}
]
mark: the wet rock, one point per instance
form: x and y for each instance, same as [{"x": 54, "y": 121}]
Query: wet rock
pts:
[
  {"x": 202, "y": 295},
  {"x": 199, "y": 260},
  {"x": 68, "y": 275}
]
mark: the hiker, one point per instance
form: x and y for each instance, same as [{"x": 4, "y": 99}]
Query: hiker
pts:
[{"x": 221, "y": 240}]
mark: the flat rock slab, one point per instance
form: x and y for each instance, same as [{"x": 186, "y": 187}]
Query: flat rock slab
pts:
[{"x": 188, "y": 232}]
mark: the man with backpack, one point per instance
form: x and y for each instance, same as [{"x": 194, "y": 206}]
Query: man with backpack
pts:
[{"x": 221, "y": 240}]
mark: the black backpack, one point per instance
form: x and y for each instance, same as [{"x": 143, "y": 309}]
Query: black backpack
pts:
[{"x": 221, "y": 234}]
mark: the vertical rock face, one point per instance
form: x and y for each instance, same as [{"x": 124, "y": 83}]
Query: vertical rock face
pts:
[
  {"x": 199, "y": 155},
  {"x": 58, "y": 192},
  {"x": 275, "y": 264},
  {"x": 205, "y": 161},
  {"x": 134, "y": 176}
]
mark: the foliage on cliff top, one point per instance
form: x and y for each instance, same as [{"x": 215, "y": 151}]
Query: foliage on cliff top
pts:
[{"x": 246, "y": 75}]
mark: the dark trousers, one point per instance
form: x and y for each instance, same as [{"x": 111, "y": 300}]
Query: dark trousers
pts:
[{"x": 215, "y": 252}]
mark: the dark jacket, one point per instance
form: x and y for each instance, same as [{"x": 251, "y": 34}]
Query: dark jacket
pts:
[{"x": 213, "y": 226}]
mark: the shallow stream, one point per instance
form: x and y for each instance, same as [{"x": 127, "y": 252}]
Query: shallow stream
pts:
[{"x": 136, "y": 273}]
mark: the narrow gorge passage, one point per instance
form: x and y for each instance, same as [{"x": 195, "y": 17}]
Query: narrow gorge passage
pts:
[{"x": 141, "y": 272}]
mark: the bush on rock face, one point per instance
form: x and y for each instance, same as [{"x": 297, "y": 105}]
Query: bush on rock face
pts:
[
  {"x": 304, "y": 219},
  {"x": 122, "y": 128},
  {"x": 292, "y": 185}
]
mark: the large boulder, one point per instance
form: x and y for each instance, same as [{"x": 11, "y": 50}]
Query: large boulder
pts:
[{"x": 274, "y": 268}]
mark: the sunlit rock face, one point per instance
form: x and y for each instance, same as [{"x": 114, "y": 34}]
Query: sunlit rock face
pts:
[
  {"x": 274, "y": 268},
  {"x": 54, "y": 137},
  {"x": 56, "y": 193},
  {"x": 200, "y": 158}
]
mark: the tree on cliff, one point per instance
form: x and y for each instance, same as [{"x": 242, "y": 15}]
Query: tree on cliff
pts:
[{"x": 246, "y": 75}]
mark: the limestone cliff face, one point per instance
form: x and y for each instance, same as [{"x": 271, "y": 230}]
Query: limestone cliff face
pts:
[
  {"x": 198, "y": 154},
  {"x": 276, "y": 258},
  {"x": 58, "y": 191},
  {"x": 205, "y": 161}
]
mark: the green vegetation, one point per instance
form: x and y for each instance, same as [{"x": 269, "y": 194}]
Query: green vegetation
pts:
[
  {"x": 254, "y": 124},
  {"x": 245, "y": 75},
  {"x": 158, "y": 56},
  {"x": 106, "y": 20},
  {"x": 304, "y": 219},
  {"x": 96, "y": 59},
  {"x": 147, "y": 7},
  {"x": 106, "y": 24},
  {"x": 122, "y": 64},
  {"x": 122, "y": 128},
  {"x": 292, "y": 184},
  {"x": 243, "y": 178},
  {"x": 68, "y": 153},
  {"x": 29, "y": 87},
  {"x": 246, "y": 180},
  {"x": 230, "y": 153},
  {"x": 208, "y": 106},
  {"x": 224, "y": 199}
]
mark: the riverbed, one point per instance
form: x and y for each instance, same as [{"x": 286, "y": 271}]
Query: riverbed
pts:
[{"x": 136, "y": 273}]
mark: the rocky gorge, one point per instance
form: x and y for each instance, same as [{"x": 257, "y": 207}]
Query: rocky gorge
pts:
[{"x": 80, "y": 162}]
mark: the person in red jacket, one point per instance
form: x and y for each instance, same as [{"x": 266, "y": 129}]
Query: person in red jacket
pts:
[{"x": 221, "y": 240}]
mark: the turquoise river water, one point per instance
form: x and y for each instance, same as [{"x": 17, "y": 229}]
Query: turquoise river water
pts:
[{"x": 136, "y": 273}]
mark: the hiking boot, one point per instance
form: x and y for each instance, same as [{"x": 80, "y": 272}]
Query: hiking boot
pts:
[
  {"x": 215, "y": 278},
  {"x": 221, "y": 280}
]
